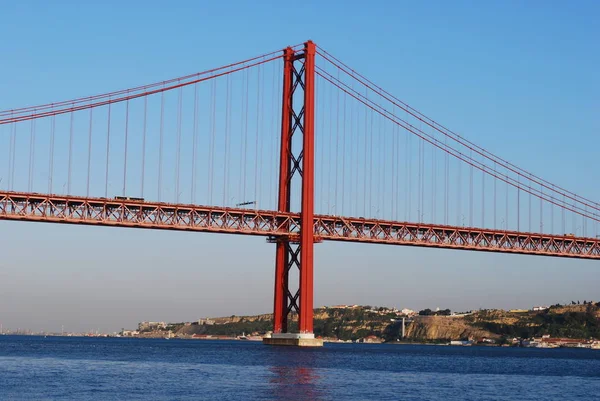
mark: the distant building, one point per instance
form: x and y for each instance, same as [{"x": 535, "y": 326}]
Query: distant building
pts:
[
  {"x": 461, "y": 342},
  {"x": 408, "y": 312},
  {"x": 548, "y": 342},
  {"x": 518, "y": 311},
  {"x": 344, "y": 306},
  {"x": 371, "y": 340},
  {"x": 540, "y": 308},
  {"x": 461, "y": 314},
  {"x": 206, "y": 321},
  {"x": 151, "y": 326}
]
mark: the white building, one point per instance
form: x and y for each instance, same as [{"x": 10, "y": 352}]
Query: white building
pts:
[{"x": 151, "y": 325}]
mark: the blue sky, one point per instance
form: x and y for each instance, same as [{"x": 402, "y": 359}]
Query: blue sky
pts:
[{"x": 518, "y": 78}]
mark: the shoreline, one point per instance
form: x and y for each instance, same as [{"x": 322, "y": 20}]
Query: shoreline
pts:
[{"x": 258, "y": 340}]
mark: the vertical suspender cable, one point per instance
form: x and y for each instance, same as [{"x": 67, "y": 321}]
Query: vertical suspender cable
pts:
[
  {"x": 125, "y": 149},
  {"x": 272, "y": 150},
  {"x": 351, "y": 210},
  {"x": 343, "y": 189},
  {"x": 471, "y": 190},
  {"x": 419, "y": 183},
  {"x": 422, "y": 160},
  {"x": 107, "y": 152},
  {"x": 563, "y": 216},
  {"x": 14, "y": 158},
  {"x": 357, "y": 163},
  {"x": 261, "y": 115},
  {"x": 583, "y": 222},
  {"x": 256, "y": 155},
  {"x": 541, "y": 212},
  {"x": 506, "y": 205},
  {"x": 409, "y": 176},
  {"x": 227, "y": 128},
  {"x": 458, "y": 196},
  {"x": 242, "y": 139},
  {"x": 446, "y": 182},
  {"x": 433, "y": 183},
  {"x": 552, "y": 214},
  {"x": 573, "y": 219},
  {"x": 178, "y": 150},
  {"x": 195, "y": 146},
  {"x": 365, "y": 159},
  {"x": 518, "y": 204},
  {"x": 245, "y": 157},
  {"x": 495, "y": 185},
  {"x": 371, "y": 166},
  {"x": 321, "y": 139},
  {"x": 393, "y": 167},
  {"x": 89, "y": 164},
  {"x": 337, "y": 141},
  {"x": 144, "y": 145},
  {"x": 70, "y": 155},
  {"x": 483, "y": 199},
  {"x": 397, "y": 135},
  {"x": 330, "y": 161},
  {"x": 51, "y": 155},
  {"x": 10, "y": 155},
  {"x": 529, "y": 214},
  {"x": 160, "y": 143},
  {"x": 211, "y": 157},
  {"x": 31, "y": 154},
  {"x": 381, "y": 193}
]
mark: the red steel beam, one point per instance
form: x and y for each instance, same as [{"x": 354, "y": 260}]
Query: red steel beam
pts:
[
  {"x": 19, "y": 206},
  {"x": 280, "y": 303},
  {"x": 305, "y": 318}
]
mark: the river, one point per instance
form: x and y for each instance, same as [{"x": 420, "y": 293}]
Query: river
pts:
[{"x": 72, "y": 368}]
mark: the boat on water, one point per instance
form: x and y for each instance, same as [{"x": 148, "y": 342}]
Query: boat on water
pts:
[{"x": 244, "y": 337}]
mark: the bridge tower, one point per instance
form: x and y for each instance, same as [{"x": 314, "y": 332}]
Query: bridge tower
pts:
[{"x": 296, "y": 178}]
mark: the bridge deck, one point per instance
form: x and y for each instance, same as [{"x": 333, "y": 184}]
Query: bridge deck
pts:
[{"x": 143, "y": 214}]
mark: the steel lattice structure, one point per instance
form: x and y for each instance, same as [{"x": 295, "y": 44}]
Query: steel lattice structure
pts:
[{"x": 285, "y": 226}]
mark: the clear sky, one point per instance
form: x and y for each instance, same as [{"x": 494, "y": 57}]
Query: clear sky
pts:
[{"x": 517, "y": 77}]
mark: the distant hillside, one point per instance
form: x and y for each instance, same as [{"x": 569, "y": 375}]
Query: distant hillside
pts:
[{"x": 353, "y": 323}]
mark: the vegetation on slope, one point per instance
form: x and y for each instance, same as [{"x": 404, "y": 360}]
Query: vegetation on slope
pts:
[
  {"x": 558, "y": 321},
  {"x": 574, "y": 321}
]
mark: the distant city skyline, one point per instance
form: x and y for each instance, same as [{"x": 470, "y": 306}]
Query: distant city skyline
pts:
[{"x": 516, "y": 88}]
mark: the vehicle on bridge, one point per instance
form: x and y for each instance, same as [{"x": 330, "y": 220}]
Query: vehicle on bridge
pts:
[{"x": 129, "y": 198}]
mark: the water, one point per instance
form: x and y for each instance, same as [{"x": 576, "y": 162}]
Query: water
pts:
[{"x": 55, "y": 368}]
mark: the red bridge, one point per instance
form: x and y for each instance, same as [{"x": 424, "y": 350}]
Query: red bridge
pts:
[{"x": 292, "y": 145}]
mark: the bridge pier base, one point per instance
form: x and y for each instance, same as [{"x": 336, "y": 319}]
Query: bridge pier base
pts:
[{"x": 294, "y": 339}]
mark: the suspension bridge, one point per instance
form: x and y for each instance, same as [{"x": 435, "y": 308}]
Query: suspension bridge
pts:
[{"x": 292, "y": 145}]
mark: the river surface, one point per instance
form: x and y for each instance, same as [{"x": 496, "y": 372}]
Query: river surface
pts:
[{"x": 69, "y": 368}]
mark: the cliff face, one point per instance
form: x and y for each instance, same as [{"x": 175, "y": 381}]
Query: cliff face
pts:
[{"x": 444, "y": 328}]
